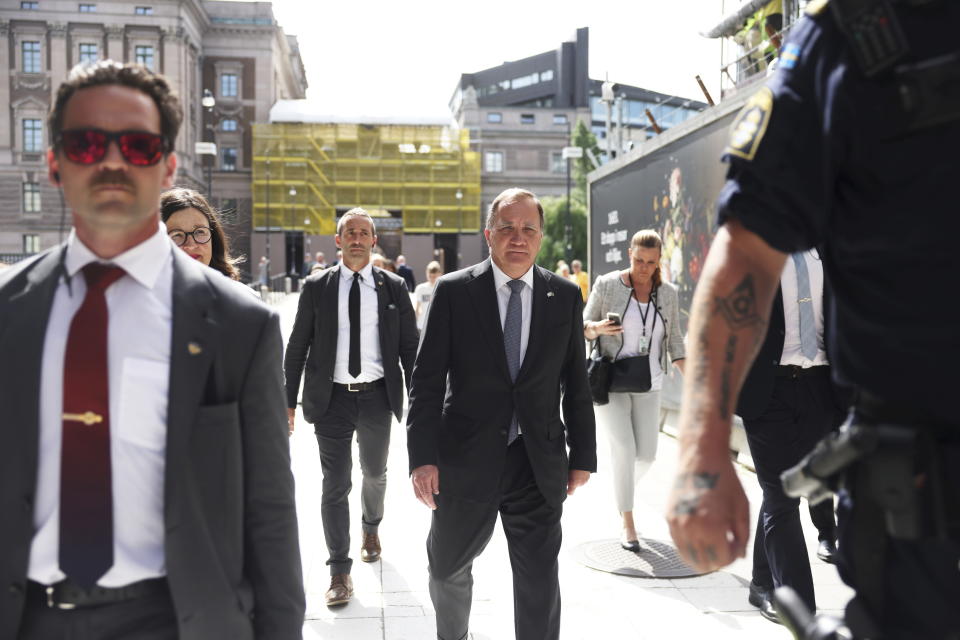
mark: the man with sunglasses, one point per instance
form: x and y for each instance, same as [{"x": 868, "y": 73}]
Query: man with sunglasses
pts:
[{"x": 144, "y": 465}]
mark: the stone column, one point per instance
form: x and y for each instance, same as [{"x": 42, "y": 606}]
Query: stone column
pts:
[
  {"x": 59, "y": 56},
  {"x": 6, "y": 133},
  {"x": 115, "y": 48}
]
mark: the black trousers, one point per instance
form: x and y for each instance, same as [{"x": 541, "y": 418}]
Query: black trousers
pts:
[
  {"x": 146, "y": 618},
  {"x": 461, "y": 529},
  {"x": 801, "y": 412},
  {"x": 368, "y": 414}
]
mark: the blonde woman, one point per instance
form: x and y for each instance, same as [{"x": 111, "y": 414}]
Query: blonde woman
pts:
[{"x": 644, "y": 320}]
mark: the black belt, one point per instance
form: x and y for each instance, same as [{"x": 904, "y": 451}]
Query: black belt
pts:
[
  {"x": 359, "y": 387},
  {"x": 796, "y": 371},
  {"x": 66, "y": 594}
]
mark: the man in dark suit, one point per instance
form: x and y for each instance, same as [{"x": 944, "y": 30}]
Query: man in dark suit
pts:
[
  {"x": 405, "y": 272},
  {"x": 502, "y": 345},
  {"x": 354, "y": 329},
  {"x": 788, "y": 404},
  {"x": 144, "y": 460}
]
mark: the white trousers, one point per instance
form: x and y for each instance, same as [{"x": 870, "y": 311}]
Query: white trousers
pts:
[{"x": 632, "y": 422}]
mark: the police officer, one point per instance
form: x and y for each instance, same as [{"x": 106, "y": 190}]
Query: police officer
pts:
[{"x": 846, "y": 147}]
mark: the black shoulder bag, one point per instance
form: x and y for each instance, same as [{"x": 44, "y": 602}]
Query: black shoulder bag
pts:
[
  {"x": 632, "y": 375},
  {"x": 598, "y": 374}
]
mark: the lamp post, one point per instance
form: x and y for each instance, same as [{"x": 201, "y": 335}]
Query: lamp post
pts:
[
  {"x": 568, "y": 154},
  {"x": 268, "y": 219},
  {"x": 291, "y": 254},
  {"x": 209, "y": 102},
  {"x": 459, "y": 195}
]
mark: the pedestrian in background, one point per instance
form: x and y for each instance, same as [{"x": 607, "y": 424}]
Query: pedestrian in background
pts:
[
  {"x": 195, "y": 227},
  {"x": 644, "y": 323},
  {"x": 581, "y": 277},
  {"x": 405, "y": 272},
  {"x": 423, "y": 294}
]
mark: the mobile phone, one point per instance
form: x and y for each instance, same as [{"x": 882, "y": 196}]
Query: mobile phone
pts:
[{"x": 613, "y": 317}]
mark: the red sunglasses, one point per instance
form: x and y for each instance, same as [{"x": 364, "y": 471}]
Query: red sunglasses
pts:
[{"x": 88, "y": 146}]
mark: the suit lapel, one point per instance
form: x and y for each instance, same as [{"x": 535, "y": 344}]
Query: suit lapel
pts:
[
  {"x": 383, "y": 298},
  {"x": 329, "y": 300},
  {"x": 543, "y": 296},
  {"x": 21, "y": 345},
  {"x": 195, "y": 341},
  {"x": 483, "y": 293}
]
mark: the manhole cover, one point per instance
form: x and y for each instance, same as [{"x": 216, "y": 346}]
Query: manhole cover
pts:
[{"x": 656, "y": 559}]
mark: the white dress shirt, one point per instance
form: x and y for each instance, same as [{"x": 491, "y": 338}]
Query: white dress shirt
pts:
[
  {"x": 792, "y": 354},
  {"x": 371, "y": 360},
  {"x": 138, "y": 345},
  {"x": 500, "y": 280}
]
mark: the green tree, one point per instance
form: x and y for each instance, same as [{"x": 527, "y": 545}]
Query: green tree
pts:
[
  {"x": 554, "y": 245},
  {"x": 582, "y": 137}
]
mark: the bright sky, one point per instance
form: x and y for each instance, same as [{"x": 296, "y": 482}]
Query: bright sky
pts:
[{"x": 404, "y": 57}]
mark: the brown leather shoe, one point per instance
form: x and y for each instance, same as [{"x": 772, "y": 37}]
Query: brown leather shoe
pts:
[
  {"x": 370, "y": 549},
  {"x": 340, "y": 591}
]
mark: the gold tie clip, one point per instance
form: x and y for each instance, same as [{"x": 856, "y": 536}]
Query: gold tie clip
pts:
[{"x": 88, "y": 418}]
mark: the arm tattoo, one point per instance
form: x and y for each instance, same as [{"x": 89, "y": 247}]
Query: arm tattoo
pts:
[
  {"x": 739, "y": 308},
  {"x": 700, "y": 480},
  {"x": 725, "y": 383}
]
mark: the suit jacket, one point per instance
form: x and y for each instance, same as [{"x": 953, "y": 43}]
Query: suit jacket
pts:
[
  {"x": 406, "y": 273},
  {"x": 313, "y": 341},
  {"x": 462, "y": 399},
  {"x": 232, "y": 555}
]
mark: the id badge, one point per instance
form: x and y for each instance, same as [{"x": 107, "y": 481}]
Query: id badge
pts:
[{"x": 643, "y": 344}]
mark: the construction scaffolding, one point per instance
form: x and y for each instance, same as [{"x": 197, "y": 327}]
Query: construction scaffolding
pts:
[{"x": 304, "y": 175}]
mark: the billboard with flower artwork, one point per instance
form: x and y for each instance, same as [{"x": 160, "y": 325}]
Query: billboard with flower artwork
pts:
[{"x": 673, "y": 190}]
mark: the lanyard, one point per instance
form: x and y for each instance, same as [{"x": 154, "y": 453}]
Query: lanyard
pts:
[{"x": 643, "y": 316}]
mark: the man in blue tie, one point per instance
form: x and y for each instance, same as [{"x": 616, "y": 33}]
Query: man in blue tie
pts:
[
  {"x": 788, "y": 404},
  {"x": 502, "y": 348}
]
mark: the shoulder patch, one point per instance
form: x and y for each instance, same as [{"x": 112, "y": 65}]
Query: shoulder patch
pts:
[
  {"x": 815, "y": 7},
  {"x": 750, "y": 125}
]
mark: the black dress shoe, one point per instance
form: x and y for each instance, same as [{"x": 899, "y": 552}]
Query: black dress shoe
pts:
[
  {"x": 758, "y": 594},
  {"x": 769, "y": 612},
  {"x": 632, "y": 546},
  {"x": 827, "y": 551}
]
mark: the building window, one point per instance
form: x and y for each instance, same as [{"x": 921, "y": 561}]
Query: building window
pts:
[
  {"x": 560, "y": 118},
  {"x": 31, "y": 243},
  {"x": 143, "y": 11},
  {"x": 31, "y": 56},
  {"x": 88, "y": 8},
  {"x": 228, "y": 124},
  {"x": 494, "y": 117},
  {"x": 493, "y": 161},
  {"x": 32, "y": 135},
  {"x": 557, "y": 163},
  {"x": 143, "y": 54},
  {"x": 546, "y": 76},
  {"x": 31, "y": 197},
  {"x": 228, "y": 161},
  {"x": 88, "y": 52},
  {"x": 527, "y": 118},
  {"x": 228, "y": 85},
  {"x": 30, "y": 6}
]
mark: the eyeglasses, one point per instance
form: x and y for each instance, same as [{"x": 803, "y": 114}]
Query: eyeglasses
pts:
[
  {"x": 200, "y": 235},
  {"x": 88, "y": 146}
]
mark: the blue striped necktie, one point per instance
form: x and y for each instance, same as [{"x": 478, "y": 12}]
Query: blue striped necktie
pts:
[{"x": 512, "y": 329}]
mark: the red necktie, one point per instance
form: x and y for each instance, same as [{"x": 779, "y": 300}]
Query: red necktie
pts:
[{"x": 86, "y": 496}]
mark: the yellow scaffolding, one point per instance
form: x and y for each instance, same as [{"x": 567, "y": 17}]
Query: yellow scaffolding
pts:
[{"x": 304, "y": 173}]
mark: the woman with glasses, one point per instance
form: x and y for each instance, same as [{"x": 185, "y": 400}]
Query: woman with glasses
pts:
[{"x": 195, "y": 227}]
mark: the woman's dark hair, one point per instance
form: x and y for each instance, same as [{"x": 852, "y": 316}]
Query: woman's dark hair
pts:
[{"x": 178, "y": 199}]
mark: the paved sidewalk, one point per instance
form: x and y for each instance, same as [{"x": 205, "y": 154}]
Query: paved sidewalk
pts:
[{"x": 392, "y": 602}]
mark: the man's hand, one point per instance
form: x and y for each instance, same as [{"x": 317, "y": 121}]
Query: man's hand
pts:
[
  {"x": 708, "y": 511},
  {"x": 426, "y": 484},
  {"x": 291, "y": 419},
  {"x": 576, "y": 478}
]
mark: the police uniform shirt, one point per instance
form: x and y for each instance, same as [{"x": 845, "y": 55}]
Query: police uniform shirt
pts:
[{"x": 822, "y": 156}]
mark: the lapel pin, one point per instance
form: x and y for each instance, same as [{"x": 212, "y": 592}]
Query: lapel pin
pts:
[
  {"x": 549, "y": 294},
  {"x": 194, "y": 348}
]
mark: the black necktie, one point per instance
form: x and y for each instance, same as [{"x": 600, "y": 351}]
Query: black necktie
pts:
[{"x": 354, "y": 311}]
